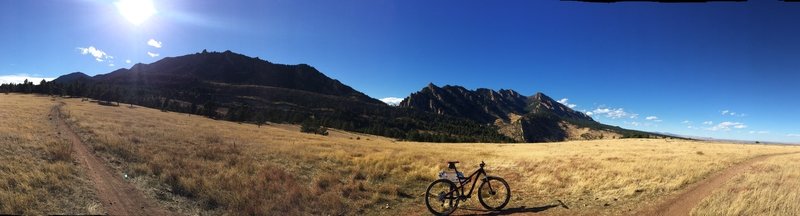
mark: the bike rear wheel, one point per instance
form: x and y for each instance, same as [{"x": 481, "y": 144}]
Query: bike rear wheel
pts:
[
  {"x": 494, "y": 193},
  {"x": 442, "y": 197}
]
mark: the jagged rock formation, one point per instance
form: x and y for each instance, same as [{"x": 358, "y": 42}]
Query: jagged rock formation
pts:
[{"x": 536, "y": 118}]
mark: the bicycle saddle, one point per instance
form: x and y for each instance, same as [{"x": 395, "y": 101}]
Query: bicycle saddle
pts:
[{"x": 451, "y": 164}]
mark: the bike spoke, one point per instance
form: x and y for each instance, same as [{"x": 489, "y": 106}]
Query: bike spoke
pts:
[
  {"x": 442, "y": 197},
  {"x": 494, "y": 193}
]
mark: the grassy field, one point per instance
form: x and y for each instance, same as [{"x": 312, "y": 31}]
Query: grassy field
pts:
[
  {"x": 769, "y": 188},
  {"x": 196, "y": 165},
  {"x": 37, "y": 173}
]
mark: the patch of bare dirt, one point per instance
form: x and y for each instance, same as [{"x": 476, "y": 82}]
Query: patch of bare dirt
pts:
[
  {"x": 683, "y": 203},
  {"x": 117, "y": 196}
]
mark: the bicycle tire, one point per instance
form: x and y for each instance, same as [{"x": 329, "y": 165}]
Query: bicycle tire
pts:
[
  {"x": 451, "y": 200},
  {"x": 505, "y": 192}
]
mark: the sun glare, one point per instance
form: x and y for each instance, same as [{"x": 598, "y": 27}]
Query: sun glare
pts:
[{"x": 136, "y": 11}]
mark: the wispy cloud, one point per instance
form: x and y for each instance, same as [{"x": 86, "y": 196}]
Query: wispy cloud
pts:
[
  {"x": 111, "y": 65},
  {"x": 98, "y": 54},
  {"x": 686, "y": 122},
  {"x": 564, "y": 101},
  {"x": 613, "y": 113},
  {"x": 758, "y": 132},
  {"x": 152, "y": 54},
  {"x": 793, "y": 135},
  {"x": 19, "y": 78},
  {"x": 128, "y": 61},
  {"x": 394, "y": 101},
  {"x": 640, "y": 124},
  {"x": 732, "y": 113},
  {"x": 154, "y": 43},
  {"x": 708, "y": 122},
  {"x": 726, "y": 126},
  {"x": 633, "y": 123},
  {"x": 653, "y": 118}
]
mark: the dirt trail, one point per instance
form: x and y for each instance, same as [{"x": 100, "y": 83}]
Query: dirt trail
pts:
[
  {"x": 117, "y": 196},
  {"x": 682, "y": 204}
]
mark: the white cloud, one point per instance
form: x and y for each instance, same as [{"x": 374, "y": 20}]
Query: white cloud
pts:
[
  {"x": 98, "y": 54},
  {"x": 708, "y": 122},
  {"x": 793, "y": 135},
  {"x": 640, "y": 124},
  {"x": 154, "y": 43},
  {"x": 394, "y": 101},
  {"x": 653, "y": 118},
  {"x": 564, "y": 101},
  {"x": 614, "y": 113},
  {"x": 590, "y": 113},
  {"x": 726, "y": 126},
  {"x": 686, "y": 122},
  {"x": 128, "y": 61},
  {"x": 732, "y": 113},
  {"x": 19, "y": 78},
  {"x": 758, "y": 132},
  {"x": 152, "y": 54},
  {"x": 111, "y": 65}
]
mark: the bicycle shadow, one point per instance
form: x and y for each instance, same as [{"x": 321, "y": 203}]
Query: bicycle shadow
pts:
[
  {"x": 508, "y": 211},
  {"x": 521, "y": 209}
]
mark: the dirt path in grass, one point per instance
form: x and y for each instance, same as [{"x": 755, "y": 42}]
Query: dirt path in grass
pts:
[
  {"x": 118, "y": 197},
  {"x": 683, "y": 203}
]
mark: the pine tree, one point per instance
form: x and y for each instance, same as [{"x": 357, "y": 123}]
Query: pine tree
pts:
[{"x": 260, "y": 119}]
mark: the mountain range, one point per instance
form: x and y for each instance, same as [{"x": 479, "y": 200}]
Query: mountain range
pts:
[
  {"x": 536, "y": 118},
  {"x": 231, "y": 86}
]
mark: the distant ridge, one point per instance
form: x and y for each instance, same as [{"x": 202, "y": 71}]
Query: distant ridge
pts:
[
  {"x": 72, "y": 77},
  {"x": 210, "y": 69},
  {"x": 536, "y": 118},
  {"x": 235, "y": 87}
]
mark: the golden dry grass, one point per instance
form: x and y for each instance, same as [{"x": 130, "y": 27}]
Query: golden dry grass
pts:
[
  {"x": 37, "y": 173},
  {"x": 275, "y": 168},
  {"x": 770, "y": 187},
  {"x": 226, "y": 167}
]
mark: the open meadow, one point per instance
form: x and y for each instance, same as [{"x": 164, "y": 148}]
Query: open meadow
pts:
[
  {"x": 769, "y": 188},
  {"x": 196, "y": 165},
  {"x": 37, "y": 172}
]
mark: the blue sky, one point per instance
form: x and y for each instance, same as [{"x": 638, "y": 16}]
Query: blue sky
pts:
[{"x": 723, "y": 70}]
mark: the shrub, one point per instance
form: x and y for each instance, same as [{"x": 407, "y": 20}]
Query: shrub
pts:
[{"x": 311, "y": 126}]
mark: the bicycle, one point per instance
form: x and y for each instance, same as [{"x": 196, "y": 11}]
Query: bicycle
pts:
[{"x": 443, "y": 196}]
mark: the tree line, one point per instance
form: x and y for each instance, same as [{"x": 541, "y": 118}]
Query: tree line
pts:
[{"x": 400, "y": 123}]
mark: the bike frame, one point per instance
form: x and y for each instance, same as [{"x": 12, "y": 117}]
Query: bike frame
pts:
[{"x": 461, "y": 185}]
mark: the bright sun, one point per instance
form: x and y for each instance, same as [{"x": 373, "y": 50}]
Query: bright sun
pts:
[{"x": 136, "y": 11}]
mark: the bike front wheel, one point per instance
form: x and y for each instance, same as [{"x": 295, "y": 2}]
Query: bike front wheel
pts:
[
  {"x": 442, "y": 197},
  {"x": 494, "y": 193}
]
